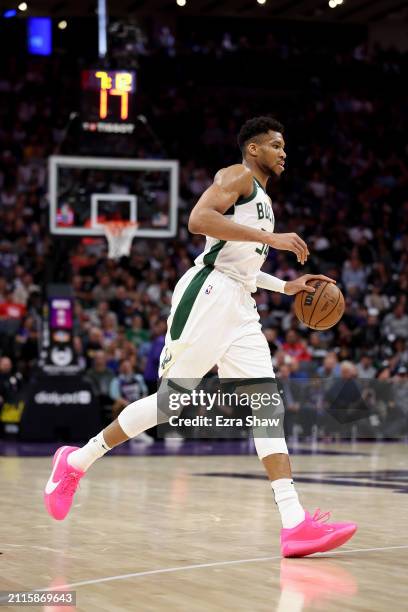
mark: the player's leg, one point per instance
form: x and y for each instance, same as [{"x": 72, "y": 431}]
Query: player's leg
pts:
[
  {"x": 187, "y": 355},
  {"x": 248, "y": 358},
  {"x": 138, "y": 416},
  {"x": 70, "y": 462}
]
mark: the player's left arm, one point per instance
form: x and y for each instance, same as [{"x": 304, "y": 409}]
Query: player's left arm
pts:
[{"x": 273, "y": 283}]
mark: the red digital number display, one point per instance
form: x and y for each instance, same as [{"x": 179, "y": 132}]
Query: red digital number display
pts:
[
  {"x": 114, "y": 84},
  {"x": 108, "y": 96}
]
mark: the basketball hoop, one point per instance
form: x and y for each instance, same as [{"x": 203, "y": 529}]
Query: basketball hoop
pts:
[{"x": 119, "y": 235}]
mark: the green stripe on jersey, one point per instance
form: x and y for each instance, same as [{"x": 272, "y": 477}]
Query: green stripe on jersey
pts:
[
  {"x": 187, "y": 302},
  {"x": 249, "y": 198},
  {"x": 210, "y": 257},
  {"x": 259, "y": 184}
]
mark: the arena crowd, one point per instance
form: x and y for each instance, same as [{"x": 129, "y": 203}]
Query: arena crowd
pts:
[{"x": 345, "y": 192}]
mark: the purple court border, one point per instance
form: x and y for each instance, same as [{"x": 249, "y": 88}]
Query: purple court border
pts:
[{"x": 162, "y": 448}]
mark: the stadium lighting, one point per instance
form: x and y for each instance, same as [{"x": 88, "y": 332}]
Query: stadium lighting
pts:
[
  {"x": 332, "y": 3},
  {"x": 62, "y": 24},
  {"x": 261, "y": 1},
  {"x": 102, "y": 28},
  {"x": 23, "y": 6},
  {"x": 181, "y": 2}
]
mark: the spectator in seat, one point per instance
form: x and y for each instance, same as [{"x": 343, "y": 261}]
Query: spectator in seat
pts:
[
  {"x": 9, "y": 382},
  {"x": 295, "y": 347},
  {"x": 100, "y": 378},
  {"x": 330, "y": 367},
  {"x": 105, "y": 290},
  {"x": 26, "y": 340},
  {"x": 79, "y": 352},
  {"x": 376, "y": 299},
  {"x": 3, "y": 288},
  {"x": 153, "y": 357},
  {"x": 8, "y": 258},
  {"x": 120, "y": 303},
  {"x": 317, "y": 347},
  {"x": 291, "y": 398},
  {"x": 23, "y": 288},
  {"x": 343, "y": 397},
  {"x": 109, "y": 329},
  {"x": 368, "y": 336},
  {"x": 297, "y": 369},
  {"x": 97, "y": 315},
  {"x": 397, "y": 414},
  {"x": 365, "y": 368},
  {"x": 400, "y": 380},
  {"x": 9, "y": 309},
  {"x": 285, "y": 271},
  {"x": 271, "y": 335},
  {"x": 279, "y": 359},
  {"x": 400, "y": 350},
  {"x": 126, "y": 387},
  {"x": 395, "y": 324},
  {"x": 137, "y": 334},
  {"x": 354, "y": 274},
  {"x": 93, "y": 344}
]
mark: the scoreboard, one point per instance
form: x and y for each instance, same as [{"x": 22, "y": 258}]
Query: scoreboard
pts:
[{"x": 108, "y": 101}]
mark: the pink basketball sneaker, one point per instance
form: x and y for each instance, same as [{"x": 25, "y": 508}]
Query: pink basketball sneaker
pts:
[
  {"x": 314, "y": 535},
  {"x": 62, "y": 484}
]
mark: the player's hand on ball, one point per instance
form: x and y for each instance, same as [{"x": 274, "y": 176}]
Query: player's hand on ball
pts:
[
  {"x": 299, "y": 284},
  {"x": 290, "y": 242}
]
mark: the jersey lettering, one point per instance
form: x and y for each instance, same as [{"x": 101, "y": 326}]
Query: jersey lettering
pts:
[
  {"x": 242, "y": 260},
  {"x": 264, "y": 211},
  {"x": 264, "y": 248}
]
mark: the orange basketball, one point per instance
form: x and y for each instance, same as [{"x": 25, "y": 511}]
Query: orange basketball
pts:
[{"x": 322, "y": 309}]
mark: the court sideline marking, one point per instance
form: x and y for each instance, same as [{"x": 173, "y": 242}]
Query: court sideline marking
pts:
[{"x": 214, "y": 564}]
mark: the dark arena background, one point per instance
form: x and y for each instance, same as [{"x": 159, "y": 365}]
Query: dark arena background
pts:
[{"x": 115, "y": 117}]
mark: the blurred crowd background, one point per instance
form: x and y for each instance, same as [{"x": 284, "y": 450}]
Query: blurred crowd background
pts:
[{"x": 345, "y": 192}]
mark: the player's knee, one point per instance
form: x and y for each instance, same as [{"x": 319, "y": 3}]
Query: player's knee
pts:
[{"x": 270, "y": 446}]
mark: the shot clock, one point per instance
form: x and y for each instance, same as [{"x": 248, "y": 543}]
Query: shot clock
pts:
[{"x": 108, "y": 101}]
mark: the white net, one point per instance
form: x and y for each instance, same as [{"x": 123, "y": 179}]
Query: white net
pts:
[{"x": 119, "y": 235}]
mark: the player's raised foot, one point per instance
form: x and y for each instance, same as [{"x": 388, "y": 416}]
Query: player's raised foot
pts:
[
  {"x": 314, "y": 535},
  {"x": 62, "y": 484}
]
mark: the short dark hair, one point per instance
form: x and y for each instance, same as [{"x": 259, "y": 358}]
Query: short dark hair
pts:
[{"x": 255, "y": 127}]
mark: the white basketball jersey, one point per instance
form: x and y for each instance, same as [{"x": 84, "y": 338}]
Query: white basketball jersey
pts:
[{"x": 242, "y": 261}]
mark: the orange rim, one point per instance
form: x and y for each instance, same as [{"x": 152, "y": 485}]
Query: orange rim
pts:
[{"x": 116, "y": 227}]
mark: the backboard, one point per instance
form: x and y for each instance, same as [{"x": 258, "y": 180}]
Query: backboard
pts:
[{"x": 86, "y": 191}]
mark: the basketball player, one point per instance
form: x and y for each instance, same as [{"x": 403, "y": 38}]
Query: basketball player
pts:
[{"x": 213, "y": 300}]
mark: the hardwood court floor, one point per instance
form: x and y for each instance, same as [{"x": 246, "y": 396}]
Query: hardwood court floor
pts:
[{"x": 201, "y": 534}]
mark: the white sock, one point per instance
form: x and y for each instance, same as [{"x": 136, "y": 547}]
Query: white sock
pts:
[
  {"x": 287, "y": 500},
  {"x": 133, "y": 419},
  {"x": 84, "y": 457}
]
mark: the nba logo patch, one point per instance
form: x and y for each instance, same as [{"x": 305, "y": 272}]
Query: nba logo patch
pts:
[{"x": 209, "y": 289}]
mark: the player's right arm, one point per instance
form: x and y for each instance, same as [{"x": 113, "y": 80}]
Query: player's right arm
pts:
[{"x": 207, "y": 215}]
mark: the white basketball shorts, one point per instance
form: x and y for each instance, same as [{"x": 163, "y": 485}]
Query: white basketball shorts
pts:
[{"x": 214, "y": 321}]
